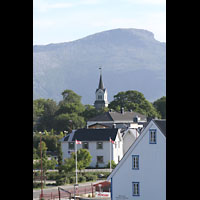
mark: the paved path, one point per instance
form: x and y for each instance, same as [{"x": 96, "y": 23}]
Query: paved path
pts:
[{"x": 37, "y": 192}]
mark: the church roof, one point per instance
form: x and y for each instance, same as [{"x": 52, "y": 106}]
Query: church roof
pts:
[{"x": 100, "y": 83}]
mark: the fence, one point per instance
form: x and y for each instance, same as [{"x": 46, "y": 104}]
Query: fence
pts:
[{"x": 69, "y": 193}]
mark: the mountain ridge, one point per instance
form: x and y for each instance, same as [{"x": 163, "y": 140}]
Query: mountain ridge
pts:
[{"x": 120, "y": 52}]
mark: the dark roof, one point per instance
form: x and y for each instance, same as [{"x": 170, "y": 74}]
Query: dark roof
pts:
[
  {"x": 117, "y": 116},
  {"x": 102, "y": 117},
  {"x": 100, "y": 83},
  {"x": 95, "y": 134},
  {"x": 161, "y": 125}
]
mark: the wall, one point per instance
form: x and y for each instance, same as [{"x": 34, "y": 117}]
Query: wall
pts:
[
  {"x": 105, "y": 152},
  {"x": 151, "y": 173}
]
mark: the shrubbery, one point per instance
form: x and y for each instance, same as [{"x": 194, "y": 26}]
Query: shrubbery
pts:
[{"x": 70, "y": 178}]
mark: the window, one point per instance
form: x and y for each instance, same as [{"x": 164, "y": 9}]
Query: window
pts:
[
  {"x": 99, "y": 145},
  {"x": 85, "y": 145},
  {"x": 100, "y": 159},
  {"x": 135, "y": 161},
  {"x": 152, "y": 136},
  {"x": 136, "y": 188},
  {"x": 71, "y": 145},
  {"x": 100, "y": 97}
]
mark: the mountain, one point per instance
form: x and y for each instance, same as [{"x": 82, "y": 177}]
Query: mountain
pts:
[{"x": 131, "y": 59}]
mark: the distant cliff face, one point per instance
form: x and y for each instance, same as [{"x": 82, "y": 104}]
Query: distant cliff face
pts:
[{"x": 131, "y": 59}]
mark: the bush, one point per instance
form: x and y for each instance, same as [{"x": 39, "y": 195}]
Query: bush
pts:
[
  {"x": 91, "y": 177},
  {"x": 72, "y": 179},
  {"x": 37, "y": 184},
  {"x": 61, "y": 181},
  {"x": 81, "y": 179}
]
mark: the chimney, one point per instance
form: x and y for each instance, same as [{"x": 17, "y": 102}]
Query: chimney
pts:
[
  {"x": 122, "y": 110},
  {"x": 135, "y": 119},
  {"x": 114, "y": 125}
]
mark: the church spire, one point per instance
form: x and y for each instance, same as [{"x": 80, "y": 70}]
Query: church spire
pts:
[
  {"x": 101, "y": 94},
  {"x": 100, "y": 80}
]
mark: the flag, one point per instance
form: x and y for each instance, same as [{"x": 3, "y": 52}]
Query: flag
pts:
[
  {"x": 112, "y": 141},
  {"x": 78, "y": 142}
]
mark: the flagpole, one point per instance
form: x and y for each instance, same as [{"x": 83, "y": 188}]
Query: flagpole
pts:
[{"x": 76, "y": 162}]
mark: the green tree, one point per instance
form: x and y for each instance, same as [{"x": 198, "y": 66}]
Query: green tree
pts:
[
  {"x": 69, "y": 165},
  {"x": 60, "y": 156},
  {"x": 133, "y": 100},
  {"x": 84, "y": 159},
  {"x": 68, "y": 115},
  {"x": 160, "y": 105},
  {"x": 113, "y": 164}
]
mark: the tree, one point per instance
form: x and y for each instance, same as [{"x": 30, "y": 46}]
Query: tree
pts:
[
  {"x": 67, "y": 122},
  {"x": 135, "y": 101},
  {"x": 60, "y": 155},
  {"x": 84, "y": 159},
  {"x": 69, "y": 165},
  {"x": 68, "y": 115},
  {"x": 113, "y": 164},
  {"x": 43, "y": 112},
  {"x": 160, "y": 105}
]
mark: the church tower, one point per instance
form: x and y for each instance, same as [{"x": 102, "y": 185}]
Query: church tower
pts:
[{"x": 101, "y": 95}]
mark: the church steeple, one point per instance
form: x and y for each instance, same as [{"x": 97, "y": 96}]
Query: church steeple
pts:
[
  {"x": 100, "y": 80},
  {"x": 101, "y": 95}
]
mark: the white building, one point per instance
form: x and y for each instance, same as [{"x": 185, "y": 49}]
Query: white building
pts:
[
  {"x": 129, "y": 136},
  {"x": 98, "y": 144},
  {"x": 141, "y": 174}
]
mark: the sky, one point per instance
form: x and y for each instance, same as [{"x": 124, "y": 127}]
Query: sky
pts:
[{"x": 56, "y": 21}]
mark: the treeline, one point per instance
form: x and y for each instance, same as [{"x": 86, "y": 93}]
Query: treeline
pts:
[{"x": 71, "y": 114}]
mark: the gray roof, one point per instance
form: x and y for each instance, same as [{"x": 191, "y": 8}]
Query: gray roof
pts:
[
  {"x": 117, "y": 116},
  {"x": 161, "y": 123}
]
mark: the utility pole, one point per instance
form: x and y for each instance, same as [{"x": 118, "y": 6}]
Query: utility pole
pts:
[{"x": 41, "y": 165}]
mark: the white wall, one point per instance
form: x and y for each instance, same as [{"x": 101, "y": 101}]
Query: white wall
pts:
[
  {"x": 128, "y": 139},
  {"x": 105, "y": 152},
  {"x": 151, "y": 173}
]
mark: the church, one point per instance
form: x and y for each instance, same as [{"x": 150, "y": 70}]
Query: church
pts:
[{"x": 101, "y": 95}]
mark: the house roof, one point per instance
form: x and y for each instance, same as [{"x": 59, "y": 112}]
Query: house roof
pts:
[
  {"x": 117, "y": 116},
  {"x": 94, "y": 134},
  {"x": 161, "y": 123}
]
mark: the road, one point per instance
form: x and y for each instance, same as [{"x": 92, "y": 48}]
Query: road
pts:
[{"x": 36, "y": 193}]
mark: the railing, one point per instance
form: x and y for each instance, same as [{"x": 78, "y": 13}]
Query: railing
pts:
[{"x": 68, "y": 193}]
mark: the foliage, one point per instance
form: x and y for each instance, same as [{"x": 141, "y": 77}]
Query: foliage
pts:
[
  {"x": 69, "y": 165},
  {"x": 43, "y": 111},
  {"x": 160, "y": 105},
  {"x": 113, "y": 164},
  {"x": 135, "y": 101},
  {"x": 84, "y": 158}
]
